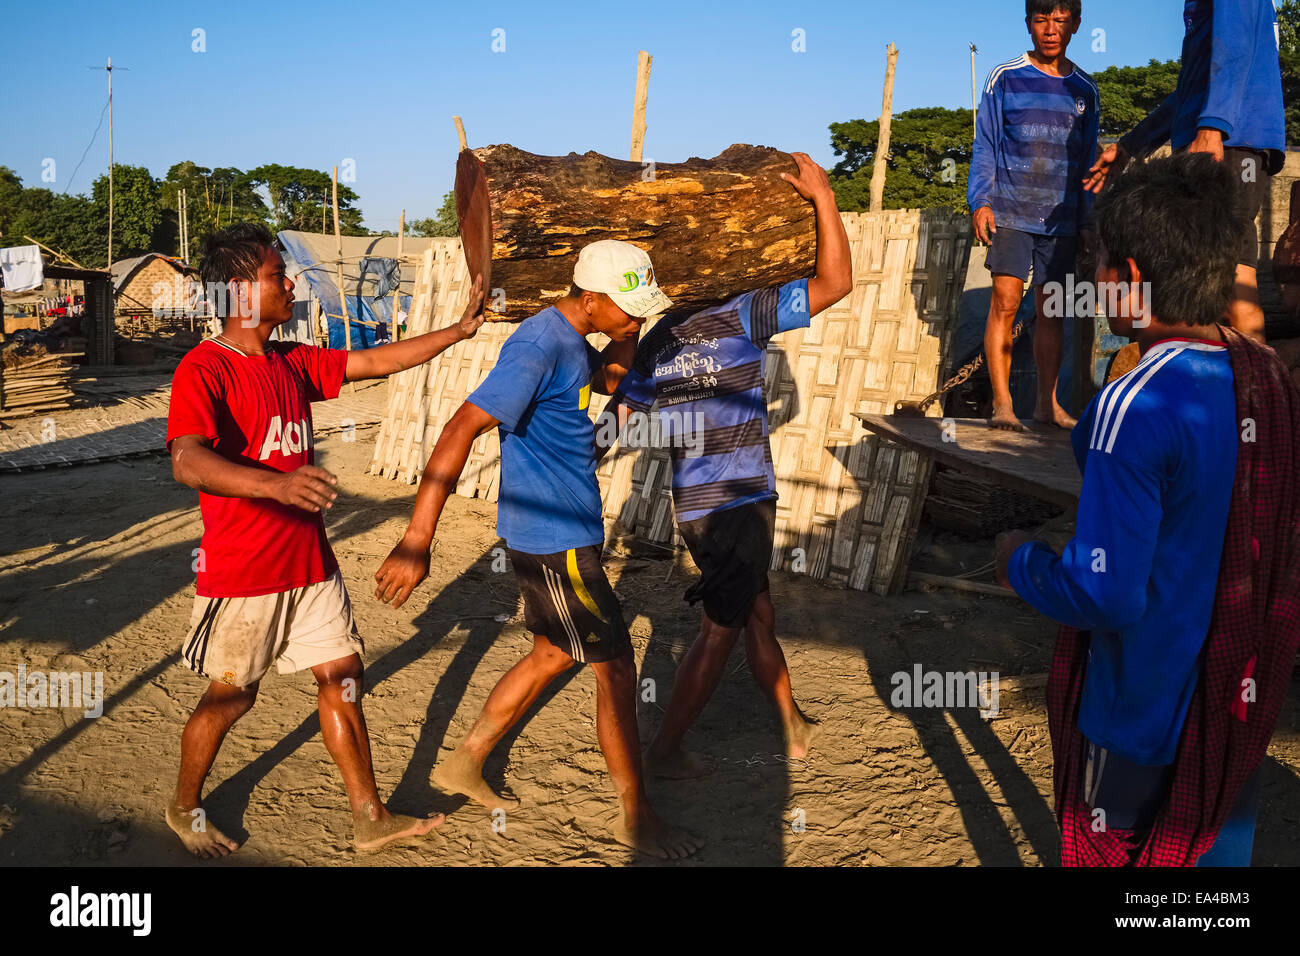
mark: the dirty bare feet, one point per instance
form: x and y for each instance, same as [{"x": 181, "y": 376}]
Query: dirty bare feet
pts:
[
  {"x": 677, "y": 764},
  {"x": 1058, "y": 416},
  {"x": 653, "y": 837},
  {"x": 461, "y": 773},
  {"x": 800, "y": 736},
  {"x": 374, "y": 827},
  {"x": 199, "y": 836},
  {"x": 1004, "y": 417}
]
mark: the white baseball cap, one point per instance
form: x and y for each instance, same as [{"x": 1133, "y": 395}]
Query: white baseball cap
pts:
[{"x": 623, "y": 272}]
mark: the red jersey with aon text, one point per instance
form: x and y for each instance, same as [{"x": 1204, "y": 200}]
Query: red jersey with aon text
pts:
[{"x": 257, "y": 412}]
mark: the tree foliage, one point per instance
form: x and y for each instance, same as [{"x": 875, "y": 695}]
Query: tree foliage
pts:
[
  {"x": 446, "y": 223},
  {"x": 929, "y": 157},
  {"x": 1129, "y": 93}
]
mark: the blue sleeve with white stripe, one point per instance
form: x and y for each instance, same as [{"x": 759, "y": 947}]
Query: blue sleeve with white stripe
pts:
[
  {"x": 637, "y": 390},
  {"x": 1100, "y": 581},
  {"x": 984, "y": 154}
]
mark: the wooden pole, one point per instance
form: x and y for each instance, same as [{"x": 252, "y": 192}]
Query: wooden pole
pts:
[
  {"x": 974, "y": 95},
  {"x": 882, "y": 144},
  {"x": 397, "y": 292},
  {"x": 110, "y": 162},
  {"x": 338, "y": 265},
  {"x": 643, "y": 60},
  {"x": 54, "y": 252},
  {"x": 460, "y": 132}
]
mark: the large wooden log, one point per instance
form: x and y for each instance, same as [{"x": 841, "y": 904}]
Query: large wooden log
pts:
[{"x": 713, "y": 227}]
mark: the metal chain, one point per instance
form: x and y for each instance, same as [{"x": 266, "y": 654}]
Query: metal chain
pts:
[{"x": 965, "y": 372}]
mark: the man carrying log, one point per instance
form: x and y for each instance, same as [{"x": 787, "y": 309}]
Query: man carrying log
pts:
[
  {"x": 269, "y": 589},
  {"x": 1179, "y": 595},
  {"x": 705, "y": 369},
  {"x": 549, "y": 513}
]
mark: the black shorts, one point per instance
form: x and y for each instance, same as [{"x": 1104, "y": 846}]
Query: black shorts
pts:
[
  {"x": 568, "y": 600},
  {"x": 732, "y": 548},
  {"x": 1250, "y": 170},
  {"x": 1016, "y": 253}
]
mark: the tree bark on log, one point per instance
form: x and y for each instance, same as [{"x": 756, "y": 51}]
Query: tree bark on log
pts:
[{"x": 713, "y": 227}]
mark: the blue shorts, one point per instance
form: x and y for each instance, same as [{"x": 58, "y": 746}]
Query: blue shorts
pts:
[{"x": 1015, "y": 253}]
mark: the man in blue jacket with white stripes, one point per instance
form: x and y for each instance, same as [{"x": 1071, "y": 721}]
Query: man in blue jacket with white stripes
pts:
[
  {"x": 1036, "y": 135},
  {"x": 1228, "y": 103}
]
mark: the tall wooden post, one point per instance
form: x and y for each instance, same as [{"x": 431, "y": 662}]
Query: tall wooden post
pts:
[
  {"x": 643, "y": 60},
  {"x": 110, "y": 162},
  {"x": 338, "y": 264},
  {"x": 397, "y": 292},
  {"x": 882, "y": 143},
  {"x": 974, "y": 95}
]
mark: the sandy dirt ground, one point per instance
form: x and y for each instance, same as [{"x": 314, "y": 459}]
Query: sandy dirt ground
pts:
[{"x": 95, "y": 575}]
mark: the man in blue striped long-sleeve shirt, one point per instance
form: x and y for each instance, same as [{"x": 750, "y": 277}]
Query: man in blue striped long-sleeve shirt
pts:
[{"x": 1036, "y": 135}]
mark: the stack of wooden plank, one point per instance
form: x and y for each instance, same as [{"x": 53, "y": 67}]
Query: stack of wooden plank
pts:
[{"x": 37, "y": 384}]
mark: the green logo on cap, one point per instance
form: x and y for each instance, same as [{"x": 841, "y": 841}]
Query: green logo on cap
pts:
[{"x": 630, "y": 282}]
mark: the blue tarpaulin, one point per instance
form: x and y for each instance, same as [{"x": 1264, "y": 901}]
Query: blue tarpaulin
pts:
[{"x": 371, "y": 273}]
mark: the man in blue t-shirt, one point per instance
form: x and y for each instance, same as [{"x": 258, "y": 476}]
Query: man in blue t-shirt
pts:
[
  {"x": 1036, "y": 134},
  {"x": 1158, "y": 452},
  {"x": 705, "y": 370},
  {"x": 1228, "y": 105},
  {"x": 549, "y": 513}
]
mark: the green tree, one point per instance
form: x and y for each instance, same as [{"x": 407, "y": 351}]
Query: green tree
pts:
[
  {"x": 11, "y": 191},
  {"x": 1288, "y": 27},
  {"x": 298, "y": 196},
  {"x": 137, "y": 213},
  {"x": 929, "y": 158},
  {"x": 446, "y": 223},
  {"x": 1129, "y": 93}
]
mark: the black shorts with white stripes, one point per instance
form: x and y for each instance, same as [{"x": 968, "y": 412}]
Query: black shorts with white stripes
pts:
[{"x": 568, "y": 600}]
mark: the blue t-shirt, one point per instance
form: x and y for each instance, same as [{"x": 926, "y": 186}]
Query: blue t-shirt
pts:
[
  {"x": 539, "y": 391},
  {"x": 706, "y": 370},
  {"x": 1158, "y": 452},
  {"x": 1035, "y": 137}
]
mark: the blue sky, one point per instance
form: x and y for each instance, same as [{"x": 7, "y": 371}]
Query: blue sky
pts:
[{"x": 315, "y": 84}]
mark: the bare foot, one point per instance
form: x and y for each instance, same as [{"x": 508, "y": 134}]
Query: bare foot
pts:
[
  {"x": 653, "y": 837},
  {"x": 199, "y": 836},
  {"x": 1057, "y": 416},
  {"x": 376, "y": 827},
  {"x": 1004, "y": 417},
  {"x": 461, "y": 773},
  {"x": 676, "y": 765},
  {"x": 799, "y": 738}
]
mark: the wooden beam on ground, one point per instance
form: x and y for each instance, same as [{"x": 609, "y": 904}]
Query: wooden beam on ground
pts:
[
  {"x": 1037, "y": 462},
  {"x": 643, "y": 60},
  {"x": 882, "y": 141}
]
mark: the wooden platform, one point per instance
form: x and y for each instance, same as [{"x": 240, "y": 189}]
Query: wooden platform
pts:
[{"x": 1038, "y": 462}]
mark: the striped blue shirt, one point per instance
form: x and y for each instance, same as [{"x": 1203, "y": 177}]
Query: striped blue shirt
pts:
[
  {"x": 706, "y": 371},
  {"x": 1035, "y": 137}
]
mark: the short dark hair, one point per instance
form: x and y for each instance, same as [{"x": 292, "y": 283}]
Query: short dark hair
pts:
[
  {"x": 234, "y": 253},
  {"x": 1176, "y": 218},
  {"x": 574, "y": 292},
  {"x": 1035, "y": 8}
]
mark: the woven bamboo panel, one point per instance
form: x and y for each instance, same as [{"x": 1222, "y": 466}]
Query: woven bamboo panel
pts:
[{"x": 849, "y": 501}]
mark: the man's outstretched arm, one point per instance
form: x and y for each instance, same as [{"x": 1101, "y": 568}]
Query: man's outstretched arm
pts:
[
  {"x": 834, "y": 278},
  {"x": 384, "y": 360},
  {"x": 408, "y": 563}
]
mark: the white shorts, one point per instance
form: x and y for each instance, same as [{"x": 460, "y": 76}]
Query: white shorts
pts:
[{"x": 235, "y": 640}]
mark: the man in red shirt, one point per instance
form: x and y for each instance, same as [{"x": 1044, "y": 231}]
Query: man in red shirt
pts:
[{"x": 269, "y": 590}]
